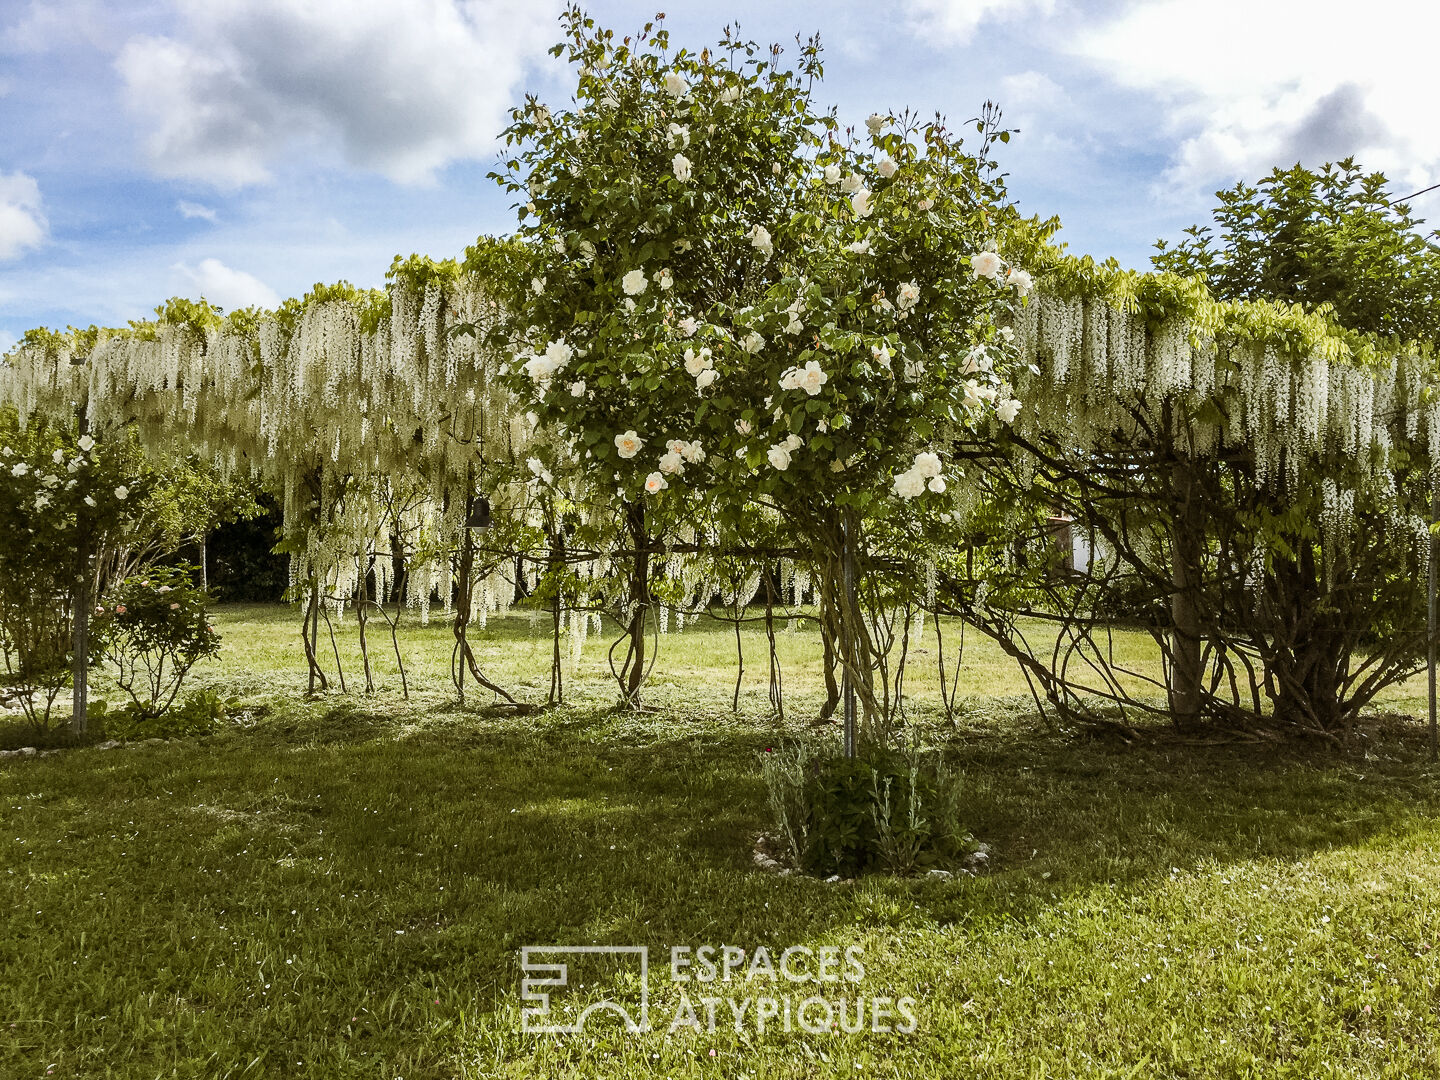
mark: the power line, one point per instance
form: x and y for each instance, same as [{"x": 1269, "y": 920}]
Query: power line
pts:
[{"x": 1422, "y": 191}]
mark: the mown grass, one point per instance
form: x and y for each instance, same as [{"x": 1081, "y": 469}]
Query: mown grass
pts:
[{"x": 340, "y": 887}]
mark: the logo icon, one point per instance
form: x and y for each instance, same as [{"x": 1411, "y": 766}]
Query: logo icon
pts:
[{"x": 547, "y": 969}]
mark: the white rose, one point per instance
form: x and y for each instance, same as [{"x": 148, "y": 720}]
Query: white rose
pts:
[
  {"x": 886, "y": 168},
  {"x": 813, "y": 378},
  {"x": 696, "y": 362},
  {"x": 860, "y": 202},
  {"x": 909, "y": 484},
  {"x": 760, "y": 240},
  {"x": 793, "y": 442},
  {"x": 1022, "y": 281},
  {"x": 89, "y": 500},
  {"x": 681, "y": 164},
  {"x": 671, "y": 464},
  {"x": 655, "y": 483},
  {"x": 907, "y": 295},
  {"x": 692, "y": 452},
  {"x": 58, "y": 456},
  {"x": 860, "y": 247},
  {"x": 927, "y": 464},
  {"x": 744, "y": 427},
  {"x": 832, "y": 174},
  {"x": 577, "y": 388},
  {"x": 752, "y": 343},
  {"x": 986, "y": 264},
  {"x": 977, "y": 359},
  {"x": 122, "y": 493},
  {"x": 924, "y": 204},
  {"x": 706, "y": 377},
  {"x": 914, "y": 369},
  {"x": 677, "y": 137},
  {"x": 537, "y": 286},
  {"x": 20, "y": 469},
  {"x": 689, "y": 325},
  {"x": 86, "y": 443},
  {"x": 875, "y": 122},
  {"x": 779, "y": 457},
  {"x": 936, "y": 484},
  {"x": 730, "y": 94},
  {"x": 675, "y": 84},
  {"x": 852, "y": 183},
  {"x": 634, "y": 283},
  {"x": 1007, "y": 410},
  {"x": 664, "y": 280},
  {"x": 628, "y": 444}
]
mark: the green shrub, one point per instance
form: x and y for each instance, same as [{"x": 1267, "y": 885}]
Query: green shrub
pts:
[
  {"x": 885, "y": 810},
  {"x": 198, "y": 714},
  {"x": 154, "y": 628}
]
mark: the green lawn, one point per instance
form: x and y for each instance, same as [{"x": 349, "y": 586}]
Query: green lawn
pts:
[{"x": 340, "y": 887}]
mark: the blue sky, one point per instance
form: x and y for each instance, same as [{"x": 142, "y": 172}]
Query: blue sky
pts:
[{"x": 245, "y": 149}]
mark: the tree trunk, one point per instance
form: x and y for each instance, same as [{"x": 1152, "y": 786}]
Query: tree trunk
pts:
[{"x": 1185, "y": 634}]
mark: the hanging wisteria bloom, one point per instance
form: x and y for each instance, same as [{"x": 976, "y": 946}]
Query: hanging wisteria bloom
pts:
[{"x": 628, "y": 444}]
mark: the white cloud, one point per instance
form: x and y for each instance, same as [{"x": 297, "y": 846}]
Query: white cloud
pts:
[
  {"x": 51, "y": 24},
  {"x": 223, "y": 286},
  {"x": 22, "y": 217},
  {"x": 954, "y": 22},
  {"x": 401, "y": 89},
  {"x": 1251, "y": 85},
  {"x": 189, "y": 210}
]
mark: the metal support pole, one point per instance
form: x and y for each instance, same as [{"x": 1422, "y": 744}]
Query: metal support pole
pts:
[
  {"x": 847, "y": 641},
  {"x": 1430, "y": 613}
]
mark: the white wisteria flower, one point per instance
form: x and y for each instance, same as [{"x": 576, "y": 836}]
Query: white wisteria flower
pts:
[
  {"x": 875, "y": 122},
  {"x": 779, "y": 457},
  {"x": 886, "y": 168},
  {"x": 986, "y": 264},
  {"x": 675, "y": 85},
  {"x": 1007, "y": 410},
  {"x": 634, "y": 282},
  {"x": 761, "y": 241},
  {"x": 655, "y": 483},
  {"x": 907, "y": 295},
  {"x": 628, "y": 444},
  {"x": 681, "y": 164}
]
